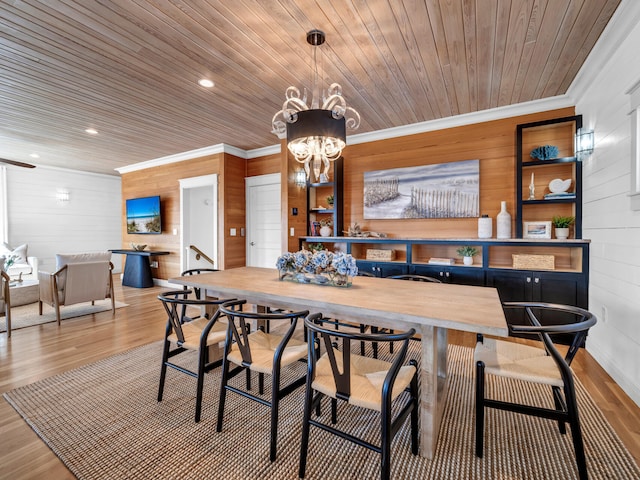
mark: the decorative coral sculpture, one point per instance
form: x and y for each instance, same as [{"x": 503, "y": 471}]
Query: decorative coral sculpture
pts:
[{"x": 545, "y": 152}]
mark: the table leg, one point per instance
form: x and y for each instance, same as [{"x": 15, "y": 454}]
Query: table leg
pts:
[{"x": 433, "y": 386}]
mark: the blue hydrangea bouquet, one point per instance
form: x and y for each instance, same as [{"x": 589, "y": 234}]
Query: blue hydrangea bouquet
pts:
[{"x": 321, "y": 267}]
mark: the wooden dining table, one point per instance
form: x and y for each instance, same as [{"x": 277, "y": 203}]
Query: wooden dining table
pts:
[{"x": 431, "y": 308}]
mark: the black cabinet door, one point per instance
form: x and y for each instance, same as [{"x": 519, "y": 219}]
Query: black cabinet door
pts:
[
  {"x": 382, "y": 269},
  {"x": 547, "y": 287},
  {"x": 459, "y": 275}
]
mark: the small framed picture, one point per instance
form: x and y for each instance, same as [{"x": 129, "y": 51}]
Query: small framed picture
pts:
[{"x": 537, "y": 229}]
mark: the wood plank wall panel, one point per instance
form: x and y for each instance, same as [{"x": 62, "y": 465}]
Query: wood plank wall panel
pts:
[
  {"x": 296, "y": 198},
  {"x": 264, "y": 165},
  {"x": 232, "y": 212},
  {"x": 493, "y": 143},
  {"x": 163, "y": 181}
]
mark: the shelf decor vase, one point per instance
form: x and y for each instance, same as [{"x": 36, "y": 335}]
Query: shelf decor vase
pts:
[
  {"x": 325, "y": 231},
  {"x": 467, "y": 260},
  {"x": 317, "y": 268},
  {"x": 485, "y": 227},
  {"x": 503, "y": 222},
  {"x": 562, "y": 233}
]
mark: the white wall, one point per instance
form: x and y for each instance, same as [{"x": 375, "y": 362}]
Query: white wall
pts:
[
  {"x": 612, "y": 68},
  {"x": 89, "y": 221}
]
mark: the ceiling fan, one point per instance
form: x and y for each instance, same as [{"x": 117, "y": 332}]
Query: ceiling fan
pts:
[{"x": 16, "y": 163}]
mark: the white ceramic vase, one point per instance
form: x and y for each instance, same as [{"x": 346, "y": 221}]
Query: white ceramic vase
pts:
[
  {"x": 503, "y": 222},
  {"x": 467, "y": 260},
  {"x": 485, "y": 227},
  {"x": 325, "y": 231}
]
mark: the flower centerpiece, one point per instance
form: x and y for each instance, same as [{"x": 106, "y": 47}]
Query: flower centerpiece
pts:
[{"x": 320, "y": 267}]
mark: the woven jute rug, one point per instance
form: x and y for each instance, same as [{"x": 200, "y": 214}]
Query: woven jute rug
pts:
[
  {"x": 104, "y": 422},
  {"x": 27, "y": 315}
]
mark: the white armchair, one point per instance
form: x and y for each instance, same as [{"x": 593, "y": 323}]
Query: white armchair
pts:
[
  {"x": 23, "y": 266},
  {"x": 79, "y": 278}
]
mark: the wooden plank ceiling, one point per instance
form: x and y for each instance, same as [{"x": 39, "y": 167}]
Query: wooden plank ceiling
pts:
[{"x": 129, "y": 68}]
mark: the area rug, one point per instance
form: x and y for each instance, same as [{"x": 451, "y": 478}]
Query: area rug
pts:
[
  {"x": 27, "y": 315},
  {"x": 104, "y": 422}
]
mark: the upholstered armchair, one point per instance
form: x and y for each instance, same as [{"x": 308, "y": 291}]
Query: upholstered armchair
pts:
[{"x": 79, "y": 278}]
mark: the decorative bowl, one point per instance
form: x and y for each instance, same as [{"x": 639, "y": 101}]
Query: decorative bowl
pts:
[
  {"x": 545, "y": 152},
  {"x": 138, "y": 246}
]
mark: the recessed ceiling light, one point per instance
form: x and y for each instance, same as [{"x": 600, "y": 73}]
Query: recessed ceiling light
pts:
[
  {"x": 206, "y": 83},
  {"x": 34, "y": 155},
  {"x": 91, "y": 131}
]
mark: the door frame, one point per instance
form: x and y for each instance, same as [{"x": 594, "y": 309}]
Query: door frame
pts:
[
  {"x": 197, "y": 182},
  {"x": 257, "y": 181}
]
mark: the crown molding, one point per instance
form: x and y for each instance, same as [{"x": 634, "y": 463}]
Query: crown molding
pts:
[
  {"x": 181, "y": 157},
  {"x": 498, "y": 113}
]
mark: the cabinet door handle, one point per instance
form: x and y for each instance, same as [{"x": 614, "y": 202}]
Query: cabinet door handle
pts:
[
  {"x": 446, "y": 274},
  {"x": 528, "y": 279},
  {"x": 537, "y": 280}
]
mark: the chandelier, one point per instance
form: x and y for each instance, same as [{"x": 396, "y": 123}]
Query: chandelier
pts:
[{"x": 316, "y": 133}]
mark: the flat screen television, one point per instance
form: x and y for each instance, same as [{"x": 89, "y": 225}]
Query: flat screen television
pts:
[{"x": 143, "y": 215}]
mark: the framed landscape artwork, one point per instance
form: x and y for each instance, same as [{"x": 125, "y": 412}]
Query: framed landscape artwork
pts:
[{"x": 442, "y": 190}]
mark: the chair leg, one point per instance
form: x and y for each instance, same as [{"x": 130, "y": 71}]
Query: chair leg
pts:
[
  {"x": 479, "y": 409},
  {"x": 385, "y": 444},
  {"x": 202, "y": 361},
  {"x": 576, "y": 432},
  {"x": 374, "y": 345},
  {"x": 223, "y": 393},
  {"x": 415, "y": 395},
  {"x": 557, "y": 400},
  {"x": 275, "y": 404},
  {"x": 304, "y": 443},
  {"x": 163, "y": 369},
  {"x": 334, "y": 411}
]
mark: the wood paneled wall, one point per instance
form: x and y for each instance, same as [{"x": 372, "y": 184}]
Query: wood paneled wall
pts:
[
  {"x": 493, "y": 143},
  {"x": 164, "y": 181}
]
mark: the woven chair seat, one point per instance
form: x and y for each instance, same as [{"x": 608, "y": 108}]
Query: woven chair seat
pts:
[
  {"x": 367, "y": 377},
  {"x": 518, "y": 361},
  {"x": 263, "y": 346},
  {"x": 193, "y": 330}
]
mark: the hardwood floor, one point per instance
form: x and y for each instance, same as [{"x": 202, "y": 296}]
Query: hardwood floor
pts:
[{"x": 38, "y": 352}]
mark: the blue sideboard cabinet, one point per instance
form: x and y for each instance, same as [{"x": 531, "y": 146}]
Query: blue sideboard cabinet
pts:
[{"x": 554, "y": 271}]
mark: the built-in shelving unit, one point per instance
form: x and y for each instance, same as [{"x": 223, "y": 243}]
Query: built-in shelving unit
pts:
[
  {"x": 559, "y": 132},
  {"x": 318, "y": 208}
]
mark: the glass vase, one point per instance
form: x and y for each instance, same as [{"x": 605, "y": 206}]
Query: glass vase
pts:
[{"x": 332, "y": 279}]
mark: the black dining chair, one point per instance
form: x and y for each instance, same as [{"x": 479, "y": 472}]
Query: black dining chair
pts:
[
  {"x": 198, "y": 291},
  {"x": 195, "y": 333},
  {"x": 534, "y": 364},
  {"x": 364, "y": 382},
  {"x": 263, "y": 351}
]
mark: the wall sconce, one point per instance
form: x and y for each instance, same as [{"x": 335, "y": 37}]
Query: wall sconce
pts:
[
  {"x": 300, "y": 178},
  {"x": 584, "y": 142},
  {"x": 62, "y": 195}
]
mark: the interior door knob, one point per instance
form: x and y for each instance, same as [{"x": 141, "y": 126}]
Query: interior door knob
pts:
[{"x": 252, "y": 243}]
